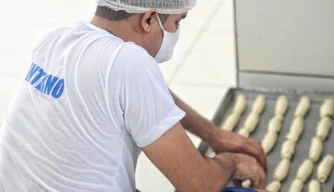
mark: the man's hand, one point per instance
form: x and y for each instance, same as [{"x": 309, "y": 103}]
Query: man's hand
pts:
[
  {"x": 219, "y": 140},
  {"x": 247, "y": 168},
  {"x": 225, "y": 141}
]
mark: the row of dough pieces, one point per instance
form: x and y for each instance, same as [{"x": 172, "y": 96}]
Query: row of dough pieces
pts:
[
  {"x": 288, "y": 148},
  {"x": 274, "y": 127},
  {"x": 303, "y": 173},
  {"x": 306, "y": 168},
  {"x": 327, "y": 109},
  {"x": 275, "y": 124},
  {"x": 326, "y": 165}
]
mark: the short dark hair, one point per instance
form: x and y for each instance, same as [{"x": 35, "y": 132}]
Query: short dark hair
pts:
[{"x": 113, "y": 15}]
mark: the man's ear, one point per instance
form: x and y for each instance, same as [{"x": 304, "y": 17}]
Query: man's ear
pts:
[{"x": 148, "y": 20}]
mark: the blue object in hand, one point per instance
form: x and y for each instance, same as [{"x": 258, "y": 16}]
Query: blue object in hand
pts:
[{"x": 238, "y": 189}]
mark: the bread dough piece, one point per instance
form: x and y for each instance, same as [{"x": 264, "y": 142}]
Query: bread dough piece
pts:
[
  {"x": 251, "y": 122},
  {"x": 327, "y": 108},
  {"x": 258, "y": 104},
  {"x": 314, "y": 186},
  {"x": 288, "y": 149},
  {"x": 273, "y": 186},
  {"x": 269, "y": 141},
  {"x": 282, "y": 170},
  {"x": 302, "y": 107},
  {"x": 305, "y": 170},
  {"x": 240, "y": 104},
  {"x": 296, "y": 186},
  {"x": 323, "y": 128},
  {"x": 212, "y": 155},
  {"x": 246, "y": 183},
  {"x": 281, "y": 105},
  {"x": 244, "y": 132},
  {"x": 296, "y": 129},
  {"x": 275, "y": 124},
  {"x": 325, "y": 168},
  {"x": 315, "y": 149},
  {"x": 231, "y": 121}
]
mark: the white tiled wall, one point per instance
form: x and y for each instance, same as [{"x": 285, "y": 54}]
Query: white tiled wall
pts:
[{"x": 202, "y": 69}]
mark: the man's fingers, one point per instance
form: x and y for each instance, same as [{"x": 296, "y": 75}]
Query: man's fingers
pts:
[
  {"x": 255, "y": 181},
  {"x": 258, "y": 183},
  {"x": 262, "y": 158},
  {"x": 247, "y": 146},
  {"x": 258, "y": 153},
  {"x": 260, "y": 177}
]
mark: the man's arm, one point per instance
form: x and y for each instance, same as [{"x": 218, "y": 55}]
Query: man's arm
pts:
[
  {"x": 219, "y": 140},
  {"x": 175, "y": 156},
  {"x": 193, "y": 122},
  {"x": 178, "y": 159}
]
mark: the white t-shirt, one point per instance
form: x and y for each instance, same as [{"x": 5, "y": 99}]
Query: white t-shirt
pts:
[{"x": 88, "y": 103}]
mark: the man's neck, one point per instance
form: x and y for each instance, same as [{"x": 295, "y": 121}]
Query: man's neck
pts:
[{"x": 120, "y": 29}]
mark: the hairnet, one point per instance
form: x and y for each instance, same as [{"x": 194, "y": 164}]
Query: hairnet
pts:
[{"x": 142, "y": 6}]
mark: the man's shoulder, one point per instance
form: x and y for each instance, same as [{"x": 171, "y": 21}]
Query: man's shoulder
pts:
[
  {"x": 133, "y": 53},
  {"x": 50, "y": 35}
]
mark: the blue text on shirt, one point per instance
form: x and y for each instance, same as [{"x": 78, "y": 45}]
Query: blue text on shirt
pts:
[{"x": 48, "y": 84}]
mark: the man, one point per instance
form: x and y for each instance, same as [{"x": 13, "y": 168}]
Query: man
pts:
[{"x": 94, "y": 97}]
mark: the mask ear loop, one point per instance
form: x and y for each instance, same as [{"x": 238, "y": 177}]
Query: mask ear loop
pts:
[{"x": 160, "y": 23}]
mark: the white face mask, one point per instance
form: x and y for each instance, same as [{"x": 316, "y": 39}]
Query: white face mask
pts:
[{"x": 168, "y": 44}]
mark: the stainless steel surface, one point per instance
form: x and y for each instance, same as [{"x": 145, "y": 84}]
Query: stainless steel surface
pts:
[
  {"x": 302, "y": 147},
  {"x": 271, "y": 81}
]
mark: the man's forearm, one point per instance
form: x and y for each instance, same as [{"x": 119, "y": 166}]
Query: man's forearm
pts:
[
  {"x": 222, "y": 169},
  {"x": 193, "y": 122}
]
